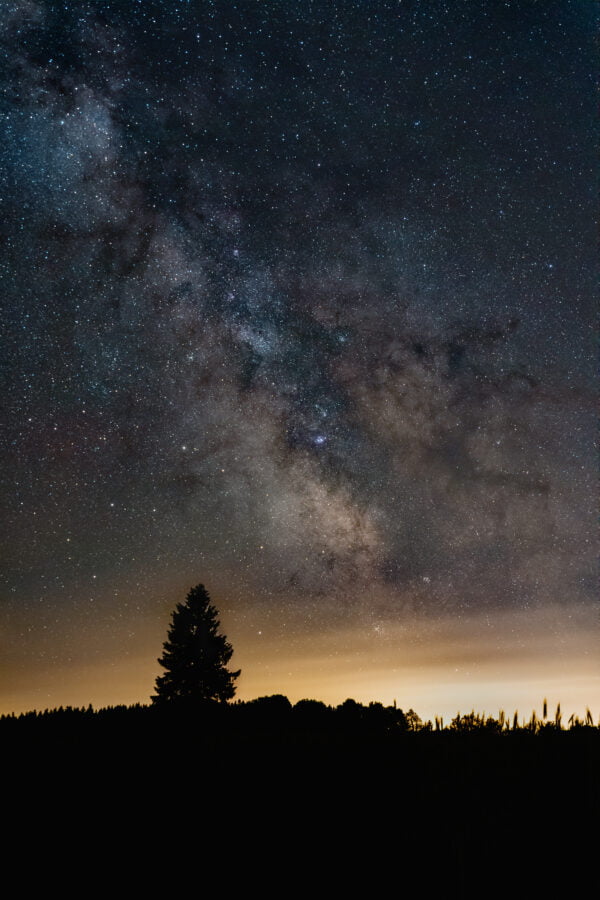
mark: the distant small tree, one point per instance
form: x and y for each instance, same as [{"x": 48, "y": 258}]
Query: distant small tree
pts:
[
  {"x": 195, "y": 655},
  {"x": 413, "y": 721}
]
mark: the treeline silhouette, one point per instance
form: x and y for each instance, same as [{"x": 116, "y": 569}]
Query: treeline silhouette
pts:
[
  {"x": 277, "y": 712},
  {"x": 276, "y": 709},
  {"x": 274, "y": 720}
]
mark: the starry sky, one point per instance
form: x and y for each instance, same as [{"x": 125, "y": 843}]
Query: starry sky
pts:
[{"x": 298, "y": 302}]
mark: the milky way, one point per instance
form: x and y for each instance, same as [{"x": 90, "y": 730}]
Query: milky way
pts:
[{"x": 297, "y": 302}]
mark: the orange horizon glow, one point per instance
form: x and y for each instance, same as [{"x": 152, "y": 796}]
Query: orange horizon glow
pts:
[{"x": 437, "y": 668}]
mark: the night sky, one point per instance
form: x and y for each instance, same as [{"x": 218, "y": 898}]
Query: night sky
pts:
[{"x": 298, "y": 302}]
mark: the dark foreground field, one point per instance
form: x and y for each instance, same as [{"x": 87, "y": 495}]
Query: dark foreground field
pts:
[{"x": 361, "y": 794}]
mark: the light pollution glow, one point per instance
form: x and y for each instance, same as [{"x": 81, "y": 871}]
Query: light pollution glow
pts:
[{"x": 437, "y": 667}]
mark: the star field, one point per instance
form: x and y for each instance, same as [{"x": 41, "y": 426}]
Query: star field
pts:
[{"x": 297, "y": 302}]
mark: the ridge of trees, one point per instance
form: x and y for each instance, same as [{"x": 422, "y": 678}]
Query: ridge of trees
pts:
[{"x": 277, "y": 710}]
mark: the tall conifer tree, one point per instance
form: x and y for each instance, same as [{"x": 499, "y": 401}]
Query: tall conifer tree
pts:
[{"x": 195, "y": 655}]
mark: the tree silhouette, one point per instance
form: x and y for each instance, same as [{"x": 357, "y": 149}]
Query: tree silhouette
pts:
[{"x": 195, "y": 655}]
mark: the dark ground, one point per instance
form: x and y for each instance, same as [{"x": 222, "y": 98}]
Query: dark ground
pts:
[{"x": 349, "y": 796}]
